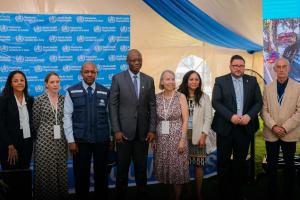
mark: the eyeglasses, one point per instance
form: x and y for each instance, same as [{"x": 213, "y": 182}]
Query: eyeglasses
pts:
[{"x": 238, "y": 66}]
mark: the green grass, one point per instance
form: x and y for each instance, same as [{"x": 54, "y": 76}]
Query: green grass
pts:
[{"x": 260, "y": 149}]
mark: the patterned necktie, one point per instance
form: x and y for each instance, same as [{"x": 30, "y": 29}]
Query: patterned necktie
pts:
[
  {"x": 135, "y": 83},
  {"x": 90, "y": 92}
]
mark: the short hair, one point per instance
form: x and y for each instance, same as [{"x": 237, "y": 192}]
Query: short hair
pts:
[
  {"x": 162, "y": 77},
  {"x": 8, "y": 89},
  {"x": 236, "y": 57},
  {"x": 281, "y": 58},
  {"x": 49, "y": 75},
  {"x": 88, "y": 63},
  {"x": 132, "y": 50}
]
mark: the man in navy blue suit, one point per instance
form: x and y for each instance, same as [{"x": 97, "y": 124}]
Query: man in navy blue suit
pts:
[{"x": 237, "y": 101}]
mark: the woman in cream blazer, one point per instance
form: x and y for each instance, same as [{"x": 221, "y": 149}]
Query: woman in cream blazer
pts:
[{"x": 199, "y": 127}]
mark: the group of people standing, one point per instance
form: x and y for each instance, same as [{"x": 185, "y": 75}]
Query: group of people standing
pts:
[{"x": 90, "y": 120}]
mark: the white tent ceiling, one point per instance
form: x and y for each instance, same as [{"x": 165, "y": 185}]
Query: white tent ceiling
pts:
[{"x": 162, "y": 44}]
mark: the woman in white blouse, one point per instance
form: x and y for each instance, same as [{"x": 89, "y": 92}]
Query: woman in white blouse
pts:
[
  {"x": 16, "y": 132},
  {"x": 199, "y": 123}
]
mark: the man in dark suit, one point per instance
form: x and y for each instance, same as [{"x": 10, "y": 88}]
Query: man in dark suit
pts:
[
  {"x": 237, "y": 101},
  {"x": 133, "y": 120}
]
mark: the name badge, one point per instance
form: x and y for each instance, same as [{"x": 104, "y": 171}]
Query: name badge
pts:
[
  {"x": 165, "y": 127},
  {"x": 56, "y": 129}
]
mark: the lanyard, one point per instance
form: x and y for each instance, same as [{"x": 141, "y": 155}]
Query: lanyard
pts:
[
  {"x": 54, "y": 108},
  {"x": 166, "y": 111},
  {"x": 279, "y": 98}
]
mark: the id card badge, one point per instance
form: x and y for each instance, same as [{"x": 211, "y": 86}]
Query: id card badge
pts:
[
  {"x": 56, "y": 129},
  {"x": 165, "y": 127}
]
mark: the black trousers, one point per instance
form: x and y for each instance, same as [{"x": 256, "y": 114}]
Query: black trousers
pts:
[
  {"x": 232, "y": 175},
  {"x": 24, "y": 148},
  {"x": 136, "y": 150},
  {"x": 82, "y": 167},
  {"x": 288, "y": 151}
]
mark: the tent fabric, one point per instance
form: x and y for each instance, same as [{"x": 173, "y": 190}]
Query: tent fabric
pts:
[{"x": 198, "y": 24}]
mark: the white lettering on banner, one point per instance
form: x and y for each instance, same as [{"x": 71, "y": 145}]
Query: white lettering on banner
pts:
[
  {"x": 82, "y": 58},
  {"x": 54, "y": 19},
  {"x": 67, "y": 68},
  {"x": 17, "y": 49},
  {"x": 107, "y": 67},
  {"x": 45, "y": 29},
  {"x": 74, "y": 29},
  {"x": 28, "y": 19},
  {"x": 20, "y": 38},
  {"x": 5, "y": 59},
  {"x": 66, "y": 77},
  {"x": 112, "y": 58},
  {"x": 54, "y": 38},
  {"x": 113, "y": 38},
  {"x": 39, "y": 43},
  {"x": 112, "y": 19},
  {"x": 39, "y": 68},
  {"x": 99, "y": 48},
  {"x": 54, "y": 58},
  {"x": 82, "y": 38},
  {"x": 4, "y": 28},
  {"x": 5, "y": 38},
  {"x": 81, "y": 19},
  {"x": 41, "y": 48},
  {"x": 68, "y": 48},
  {"x": 5, "y": 18}
]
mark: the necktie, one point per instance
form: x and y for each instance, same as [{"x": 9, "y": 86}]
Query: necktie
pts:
[
  {"x": 90, "y": 92},
  {"x": 136, "y": 86}
]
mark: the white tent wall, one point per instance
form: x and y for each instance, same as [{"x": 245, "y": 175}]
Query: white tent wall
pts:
[{"x": 162, "y": 44}]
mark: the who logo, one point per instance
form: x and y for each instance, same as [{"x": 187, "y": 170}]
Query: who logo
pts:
[{"x": 111, "y": 19}]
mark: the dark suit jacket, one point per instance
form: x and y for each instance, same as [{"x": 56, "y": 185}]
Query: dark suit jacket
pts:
[
  {"x": 224, "y": 103},
  {"x": 9, "y": 120},
  {"x": 128, "y": 113}
]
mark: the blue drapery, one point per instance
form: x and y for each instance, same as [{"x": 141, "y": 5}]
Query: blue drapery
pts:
[{"x": 193, "y": 21}]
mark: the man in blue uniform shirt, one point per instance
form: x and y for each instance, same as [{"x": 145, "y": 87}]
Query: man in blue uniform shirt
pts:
[{"x": 86, "y": 127}]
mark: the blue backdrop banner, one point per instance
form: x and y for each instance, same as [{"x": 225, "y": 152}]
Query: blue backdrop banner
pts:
[{"x": 40, "y": 43}]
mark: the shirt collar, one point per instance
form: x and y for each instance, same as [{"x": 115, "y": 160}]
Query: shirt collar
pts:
[
  {"x": 23, "y": 103},
  {"x": 132, "y": 74},
  {"x": 237, "y": 79},
  {"x": 284, "y": 83},
  {"x": 85, "y": 86}
]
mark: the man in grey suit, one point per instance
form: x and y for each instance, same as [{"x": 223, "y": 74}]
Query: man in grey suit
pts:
[
  {"x": 237, "y": 101},
  {"x": 133, "y": 120}
]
